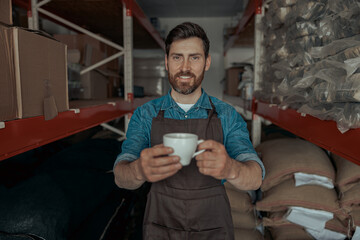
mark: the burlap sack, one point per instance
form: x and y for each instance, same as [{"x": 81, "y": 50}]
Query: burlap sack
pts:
[
  {"x": 244, "y": 220},
  {"x": 278, "y": 219},
  {"x": 351, "y": 198},
  {"x": 289, "y": 232},
  {"x": 275, "y": 219},
  {"x": 284, "y": 195},
  {"x": 284, "y": 157},
  {"x": 242, "y": 234},
  {"x": 355, "y": 219},
  {"x": 347, "y": 173},
  {"x": 240, "y": 201},
  {"x": 337, "y": 225}
]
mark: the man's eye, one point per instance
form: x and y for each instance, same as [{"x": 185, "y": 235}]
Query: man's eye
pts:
[
  {"x": 195, "y": 58},
  {"x": 176, "y": 57}
]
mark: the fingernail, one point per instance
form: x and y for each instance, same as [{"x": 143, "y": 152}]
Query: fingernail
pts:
[{"x": 176, "y": 159}]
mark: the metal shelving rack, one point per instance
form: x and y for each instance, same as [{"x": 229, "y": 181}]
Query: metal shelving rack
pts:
[
  {"x": 322, "y": 133},
  {"x": 24, "y": 134},
  {"x": 18, "y": 136}
]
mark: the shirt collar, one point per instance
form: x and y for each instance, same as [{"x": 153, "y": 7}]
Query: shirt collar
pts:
[{"x": 202, "y": 102}]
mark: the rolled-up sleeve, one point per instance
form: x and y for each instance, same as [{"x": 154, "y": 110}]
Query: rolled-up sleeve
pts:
[
  {"x": 244, "y": 157},
  {"x": 237, "y": 140},
  {"x": 125, "y": 157},
  {"x": 136, "y": 139}
]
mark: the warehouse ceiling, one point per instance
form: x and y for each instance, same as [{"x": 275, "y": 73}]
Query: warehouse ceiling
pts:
[
  {"x": 105, "y": 16},
  {"x": 191, "y": 8}
]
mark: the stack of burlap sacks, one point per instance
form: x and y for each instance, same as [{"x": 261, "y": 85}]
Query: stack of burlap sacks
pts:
[
  {"x": 299, "y": 200},
  {"x": 305, "y": 195},
  {"x": 348, "y": 185},
  {"x": 245, "y": 217}
]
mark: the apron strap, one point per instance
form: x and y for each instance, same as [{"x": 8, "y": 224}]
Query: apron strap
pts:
[
  {"x": 213, "y": 110},
  {"x": 161, "y": 114},
  {"x": 212, "y": 113}
]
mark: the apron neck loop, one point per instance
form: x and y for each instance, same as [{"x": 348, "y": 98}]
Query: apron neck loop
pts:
[{"x": 211, "y": 112}]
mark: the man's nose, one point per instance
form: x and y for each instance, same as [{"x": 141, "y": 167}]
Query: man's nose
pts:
[{"x": 185, "y": 66}]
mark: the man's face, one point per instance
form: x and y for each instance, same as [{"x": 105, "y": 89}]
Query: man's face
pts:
[{"x": 186, "y": 65}]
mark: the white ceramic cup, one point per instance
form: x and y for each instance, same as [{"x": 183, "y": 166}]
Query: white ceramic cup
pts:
[{"x": 184, "y": 145}]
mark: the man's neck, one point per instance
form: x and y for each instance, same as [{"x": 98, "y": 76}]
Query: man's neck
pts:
[{"x": 186, "y": 99}]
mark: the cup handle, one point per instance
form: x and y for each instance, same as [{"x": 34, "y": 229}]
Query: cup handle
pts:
[{"x": 198, "y": 152}]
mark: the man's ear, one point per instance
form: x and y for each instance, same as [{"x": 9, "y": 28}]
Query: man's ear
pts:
[
  {"x": 166, "y": 62},
  {"x": 207, "y": 62}
]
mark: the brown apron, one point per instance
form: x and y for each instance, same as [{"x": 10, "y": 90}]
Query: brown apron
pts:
[{"x": 188, "y": 205}]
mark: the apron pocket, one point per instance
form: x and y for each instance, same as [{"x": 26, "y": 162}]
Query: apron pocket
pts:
[
  {"x": 212, "y": 212},
  {"x": 211, "y": 234},
  {"x": 165, "y": 211},
  {"x": 156, "y": 231}
]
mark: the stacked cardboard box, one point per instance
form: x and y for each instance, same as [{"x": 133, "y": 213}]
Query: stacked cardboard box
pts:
[
  {"x": 34, "y": 75},
  {"x": 86, "y": 51},
  {"x": 233, "y": 78},
  {"x": 6, "y": 12}
]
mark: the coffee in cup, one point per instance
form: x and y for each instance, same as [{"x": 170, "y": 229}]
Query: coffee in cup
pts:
[{"x": 184, "y": 145}]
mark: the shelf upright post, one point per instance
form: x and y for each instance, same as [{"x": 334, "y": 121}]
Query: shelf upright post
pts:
[
  {"x": 128, "y": 55},
  {"x": 256, "y": 120},
  {"x": 34, "y": 16},
  {"x": 29, "y": 16},
  {"x": 33, "y": 13}
]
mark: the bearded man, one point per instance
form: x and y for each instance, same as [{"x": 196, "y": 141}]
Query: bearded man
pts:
[{"x": 188, "y": 202}]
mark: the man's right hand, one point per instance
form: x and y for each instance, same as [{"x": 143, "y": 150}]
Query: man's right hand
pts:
[{"x": 155, "y": 164}]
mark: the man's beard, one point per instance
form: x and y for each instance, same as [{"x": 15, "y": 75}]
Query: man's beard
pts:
[{"x": 185, "y": 87}]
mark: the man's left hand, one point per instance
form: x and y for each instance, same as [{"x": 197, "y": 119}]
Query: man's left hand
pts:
[{"x": 215, "y": 161}]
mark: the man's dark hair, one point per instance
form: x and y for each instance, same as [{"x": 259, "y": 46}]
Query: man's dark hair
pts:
[{"x": 184, "y": 31}]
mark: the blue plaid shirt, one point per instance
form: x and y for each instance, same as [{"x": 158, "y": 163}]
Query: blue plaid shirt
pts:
[{"x": 236, "y": 136}]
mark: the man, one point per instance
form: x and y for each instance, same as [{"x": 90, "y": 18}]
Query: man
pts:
[{"x": 188, "y": 202}]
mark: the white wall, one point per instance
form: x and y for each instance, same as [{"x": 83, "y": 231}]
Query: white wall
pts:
[
  {"x": 214, "y": 29},
  {"x": 148, "y": 53},
  {"x": 239, "y": 55}
]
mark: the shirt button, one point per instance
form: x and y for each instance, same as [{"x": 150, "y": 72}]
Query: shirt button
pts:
[{"x": 186, "y": 116}]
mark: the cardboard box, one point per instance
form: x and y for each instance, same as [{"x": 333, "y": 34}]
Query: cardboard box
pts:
[
  {"x": 33, "y": 78},
  {"x": 91, "y": 49},
  {"x": 113, "y": 85},
  {"x": 93, "y": 55},
  {"x": 6, "y": 12},
  {"x": 114, "y": 64},
  {"x": 95, "y": 85},
  {"x": 233, "y": 77}
]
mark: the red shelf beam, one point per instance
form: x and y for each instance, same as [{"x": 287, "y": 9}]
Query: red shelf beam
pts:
[
  {"x": 139, "y": 14},
  {"x": 249, "y": 12},
  {"x": 135, "y": 10},
  {"x": 322, "y": 133},
  {"x": 22, "y": 135}
]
